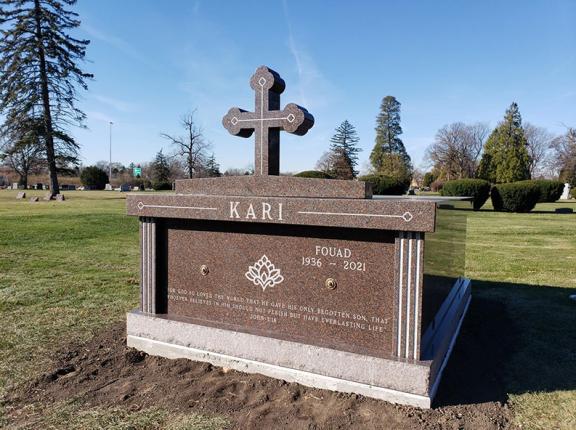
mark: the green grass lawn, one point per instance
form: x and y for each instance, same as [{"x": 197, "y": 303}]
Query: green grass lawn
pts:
[{"x": 68, "y": 268}]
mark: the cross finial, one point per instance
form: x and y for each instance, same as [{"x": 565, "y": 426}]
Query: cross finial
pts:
[{"x": 267, "y": 120}]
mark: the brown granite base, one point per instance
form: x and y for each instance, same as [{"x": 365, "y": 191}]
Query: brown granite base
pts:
[{"x": 400, "y": 381}]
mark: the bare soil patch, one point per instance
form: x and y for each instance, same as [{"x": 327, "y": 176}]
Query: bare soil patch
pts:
[{"x": 105, "y": 373}]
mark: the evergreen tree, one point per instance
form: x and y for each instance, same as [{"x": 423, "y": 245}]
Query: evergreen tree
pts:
[
  {"x": 342, "y": 167},
  {"x": 505, "y": 157},
  {"x": 389, "y": 148},
  {"x": 346, "y": 138},
  {"x": 212, "y": 167},
  {"x": 160, "y": 168},
  {"x": 39, "y": 74}
]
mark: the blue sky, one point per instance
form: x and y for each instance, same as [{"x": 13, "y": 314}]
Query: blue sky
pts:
[{"x": 445, "y": 61}]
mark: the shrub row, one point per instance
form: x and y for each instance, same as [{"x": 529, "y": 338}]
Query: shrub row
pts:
[
  {"x": 549, "y": 191},
  {"x": 313, "y": 174},
  {"x": 386, "y": 185},
  {"x": 478, "y": 189},
  {"x": 519, "y": 196},
  {"x": 515, "y": 196},
  {"x": 161, "y": 185},
  {"x": 522, "y": 196}
]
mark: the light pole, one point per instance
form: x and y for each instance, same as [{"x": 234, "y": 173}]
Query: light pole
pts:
[{"x": 110, "y": 162}]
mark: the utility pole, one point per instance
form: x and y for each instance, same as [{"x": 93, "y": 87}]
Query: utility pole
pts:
[{"x": 110, "y": 162}]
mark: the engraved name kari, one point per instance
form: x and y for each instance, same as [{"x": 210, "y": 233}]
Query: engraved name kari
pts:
[{"x": 264, "y": 211}]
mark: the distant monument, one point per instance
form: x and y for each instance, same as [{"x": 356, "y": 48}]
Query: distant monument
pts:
[
  {"x": 566, "y": 192},
  {"x": 306, "y": 280}
]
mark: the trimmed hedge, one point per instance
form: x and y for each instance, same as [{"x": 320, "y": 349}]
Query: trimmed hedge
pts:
[
  {"x": 478, "y": 189},
  {"x": 313, "y": 174},
  {"x": 385, "y": 185},
  {"x": 550, "y": 191},
  {"x": 161, "y": 185},
  {"x": 515, "y": 197},
  {"x": 94, "y": 178}
]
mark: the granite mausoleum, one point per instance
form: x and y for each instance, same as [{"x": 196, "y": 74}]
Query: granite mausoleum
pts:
[{"x": 307, "y": 280}]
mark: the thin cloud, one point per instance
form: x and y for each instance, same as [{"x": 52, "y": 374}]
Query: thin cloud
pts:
[
  {"x": 114, "y": 41},
  {"x": 98, "y": 116},
  {"x": 313, "y": 87},
  {"x": 116, "y": 104}
]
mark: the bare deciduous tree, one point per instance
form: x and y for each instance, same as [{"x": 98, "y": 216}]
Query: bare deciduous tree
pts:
[
  {"x": 539, "y": 148},
  {"x": 456, "y": 149},
  {"x": 191, "y": 148},
  {"x": 23, "y": 159},
  {"x": 564, "y": 158},
  {"x": 325, "y": 162},
  {"x": 20, "y": 148}
]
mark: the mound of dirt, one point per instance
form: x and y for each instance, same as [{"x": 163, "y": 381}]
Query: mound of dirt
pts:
[{"x": 105, "y": 373}]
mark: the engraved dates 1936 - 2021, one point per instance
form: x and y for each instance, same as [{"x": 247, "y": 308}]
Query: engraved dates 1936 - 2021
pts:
[{"x": 333, "y": 256}]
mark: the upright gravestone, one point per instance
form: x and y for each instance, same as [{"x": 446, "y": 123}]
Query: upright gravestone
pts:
[
  {"x": 21, "y": 195},
  {"x": 565, "y": 192},
  {"x": 307, "y": 280}
]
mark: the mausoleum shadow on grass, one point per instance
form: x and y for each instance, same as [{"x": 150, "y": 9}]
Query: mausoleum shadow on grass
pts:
[{"x": 516, "y": 339}]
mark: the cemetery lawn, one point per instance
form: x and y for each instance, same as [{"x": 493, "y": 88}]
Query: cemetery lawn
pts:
[{"x": 69, "y": 269}]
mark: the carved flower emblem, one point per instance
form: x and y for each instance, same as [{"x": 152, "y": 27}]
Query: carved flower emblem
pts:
[{"x": 264, "y": 274}]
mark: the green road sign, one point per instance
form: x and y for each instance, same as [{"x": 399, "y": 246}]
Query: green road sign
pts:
[{"x": 137, "y": 171}]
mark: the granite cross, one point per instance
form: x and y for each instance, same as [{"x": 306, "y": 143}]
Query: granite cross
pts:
[{"x": 267, "y": 120}]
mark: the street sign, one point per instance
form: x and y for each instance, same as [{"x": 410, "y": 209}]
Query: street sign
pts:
[{"x": 137, "y": 171}]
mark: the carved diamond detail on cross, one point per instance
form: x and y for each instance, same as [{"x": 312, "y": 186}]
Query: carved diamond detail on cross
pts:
[
  {"x": 267, "y": 120},
  {"x": 407, "y": 216}
]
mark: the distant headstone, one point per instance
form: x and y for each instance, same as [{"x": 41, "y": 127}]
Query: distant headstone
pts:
[
  {"x": 15, "y": 186},
  {"x": 39, "y": 186},
  {"x": 125, "y": 188},
  {"x": 34, "y": 199},
  {"x": 60, "y": 197},
  {"x": 48, "y": 196},
  {"x": 108, "y": 187},
  {"x": 21, "y": 195},
  {"x": 135, "y": 188},
  {"x": 566, "y": 193}
]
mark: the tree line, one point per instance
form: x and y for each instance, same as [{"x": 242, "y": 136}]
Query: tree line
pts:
[
  {"x": 39, "y": 81},
  {"x": 388, "y": 156},
  {"x": 41, "y": 75},
  {"x": 512, "y": 152}
]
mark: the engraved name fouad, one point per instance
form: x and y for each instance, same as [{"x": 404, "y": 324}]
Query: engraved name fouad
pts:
[{"x": 334, "y": 256}]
